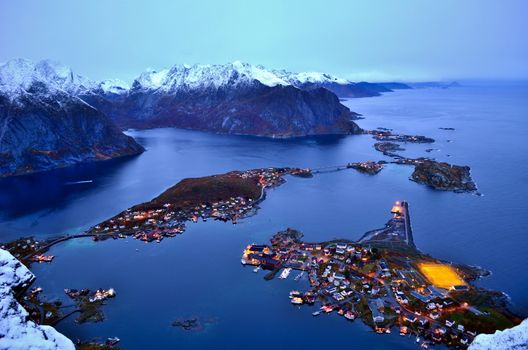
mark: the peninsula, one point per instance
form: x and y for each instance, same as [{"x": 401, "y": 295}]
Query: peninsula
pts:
[{"x": 389, "y": 284}]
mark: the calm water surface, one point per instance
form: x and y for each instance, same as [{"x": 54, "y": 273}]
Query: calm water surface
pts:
[{"x": 199, "y": 273}]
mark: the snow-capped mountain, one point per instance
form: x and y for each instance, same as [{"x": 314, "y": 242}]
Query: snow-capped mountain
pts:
[
  {"x": 206, "y": 76},
  {"x": 202, "y": 76},
  {"x": 113, "y": 86},
  {"x": 39, "y": 99},
  {"x": 236, "y": 98},
  {"x": 15, "y": 331},
  {"x": 300, "y": 79},
  {"x": 341, "y": 87},
  {"x": 515, "y": 338},
  {"x": 44, "y": 124},
  {"x": 19, "y": 75}
]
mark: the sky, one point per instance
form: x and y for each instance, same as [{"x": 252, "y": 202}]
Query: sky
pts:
[{"x": 360, "y": 40}]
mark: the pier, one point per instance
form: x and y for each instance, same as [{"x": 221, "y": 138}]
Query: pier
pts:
[{"x": 396, "y": 233}]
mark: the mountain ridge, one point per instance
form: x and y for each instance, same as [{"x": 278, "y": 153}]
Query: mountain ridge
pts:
[{"x": 44, "y": 124}]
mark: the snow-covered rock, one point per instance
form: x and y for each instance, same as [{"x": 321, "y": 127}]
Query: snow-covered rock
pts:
[
  {"x": 202, "y": 76},
  {"x": 300, "y": 79},
  {"x": 19, "y": 75},
  {"x": 206, "y": 76},
  {"x": 515, "y": 338},
  {"x": 16, "y": 332},
  {"x": 114, "y": 86}
]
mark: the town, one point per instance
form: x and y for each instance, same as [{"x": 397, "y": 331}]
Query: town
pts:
[
  {"x": 227, "y": 197},
  {"x": 386, "y": 282}
]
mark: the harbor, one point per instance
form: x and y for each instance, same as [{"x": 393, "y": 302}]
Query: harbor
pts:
[{"x": 386, "y": 282}]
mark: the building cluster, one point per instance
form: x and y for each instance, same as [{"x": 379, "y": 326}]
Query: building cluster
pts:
[
  {"x": 169, "y": 219},
  {"x": 369, "y": 167},
  {"x": 98, "y": 295},
  {"x": 383, "y": 287},
  {"x": 26, "y": 247},
  {"x": 382, "y": 135},
  {"x": 42, "y": 258}
]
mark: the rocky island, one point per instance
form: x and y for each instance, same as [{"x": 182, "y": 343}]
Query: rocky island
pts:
[
  {"x": 386, "y": 282},
  {"x": 388, "y": 135},
  {"x": 437, "y": 175},
  {"x": 388, "y": 148},
  {"x": 443, "y": 176},
  {"x": 369, "y": 167}
]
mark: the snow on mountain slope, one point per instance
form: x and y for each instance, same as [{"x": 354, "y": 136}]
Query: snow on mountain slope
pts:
[
  {"x": 299, "y": 79},
  {"x": 203, "y": 76},
  {"x": 18, "y": 75},
  {"x": 515, "y": 338},
  {"x": 114, "y": 86},
  {"x": 16, "y": 333},
  {"x": 236, "y": 73}
]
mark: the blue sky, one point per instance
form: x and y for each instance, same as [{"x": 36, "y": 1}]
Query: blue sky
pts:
[{"x": 367, "y": 40}]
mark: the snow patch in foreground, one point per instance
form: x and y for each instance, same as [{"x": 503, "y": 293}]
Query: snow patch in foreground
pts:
[
  {"x": 515, "y": 338},
  {"x": 16, "y": 332}
]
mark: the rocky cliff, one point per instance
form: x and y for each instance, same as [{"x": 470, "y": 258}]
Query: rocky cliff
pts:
[
  {"x": 44, "y": 125},
  {"x": 515, "y": 338},
  {"x": 235, "y": 98}
]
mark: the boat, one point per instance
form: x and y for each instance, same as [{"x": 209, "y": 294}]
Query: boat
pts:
[
  {"x": 417, "y": 339},
  {"x": 243, "y": 261},
  {"x": 79, "y": 182},
  {"x": 299, "y": 276},
  {"x": 294, "y": 294},
  {"x": 42, "y": 258},
  {"x": 112, "y": 341},
  {"x": 316, "y": 313},
  {"x": 256, "y": 269},
  {"x": 350, "y": 316},
  {"x": 285, "y": 273},
  {"x": 327, "y": 308},
  {"x": 296, "y": 301}
]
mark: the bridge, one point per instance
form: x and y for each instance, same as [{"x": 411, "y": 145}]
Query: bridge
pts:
[{"x": 329, "y": 169}]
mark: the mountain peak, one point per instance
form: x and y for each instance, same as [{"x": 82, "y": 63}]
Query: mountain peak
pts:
[
  {"x": 18, "y": 75},
  {"x": 206, "y": 76}
]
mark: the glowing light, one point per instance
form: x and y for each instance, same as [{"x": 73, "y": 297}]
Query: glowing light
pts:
[{"x": 441, "y": 275}]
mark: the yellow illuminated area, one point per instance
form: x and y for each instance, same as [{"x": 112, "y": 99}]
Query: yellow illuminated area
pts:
[
  {"x": 440, "y": 275},
  {"x": 396, "y": 209}
]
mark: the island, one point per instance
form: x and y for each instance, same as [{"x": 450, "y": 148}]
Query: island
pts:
[
  {"x": 369, "y": 167},
  {"x": 444, "y": 176},
  {"x": 225, "y": 197},
  {"x": 385, "y": 281},
  {"x": 388, "y": 148},
  {"x": 388, "y": 135},
  {"x": 437, "y": 175}
]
